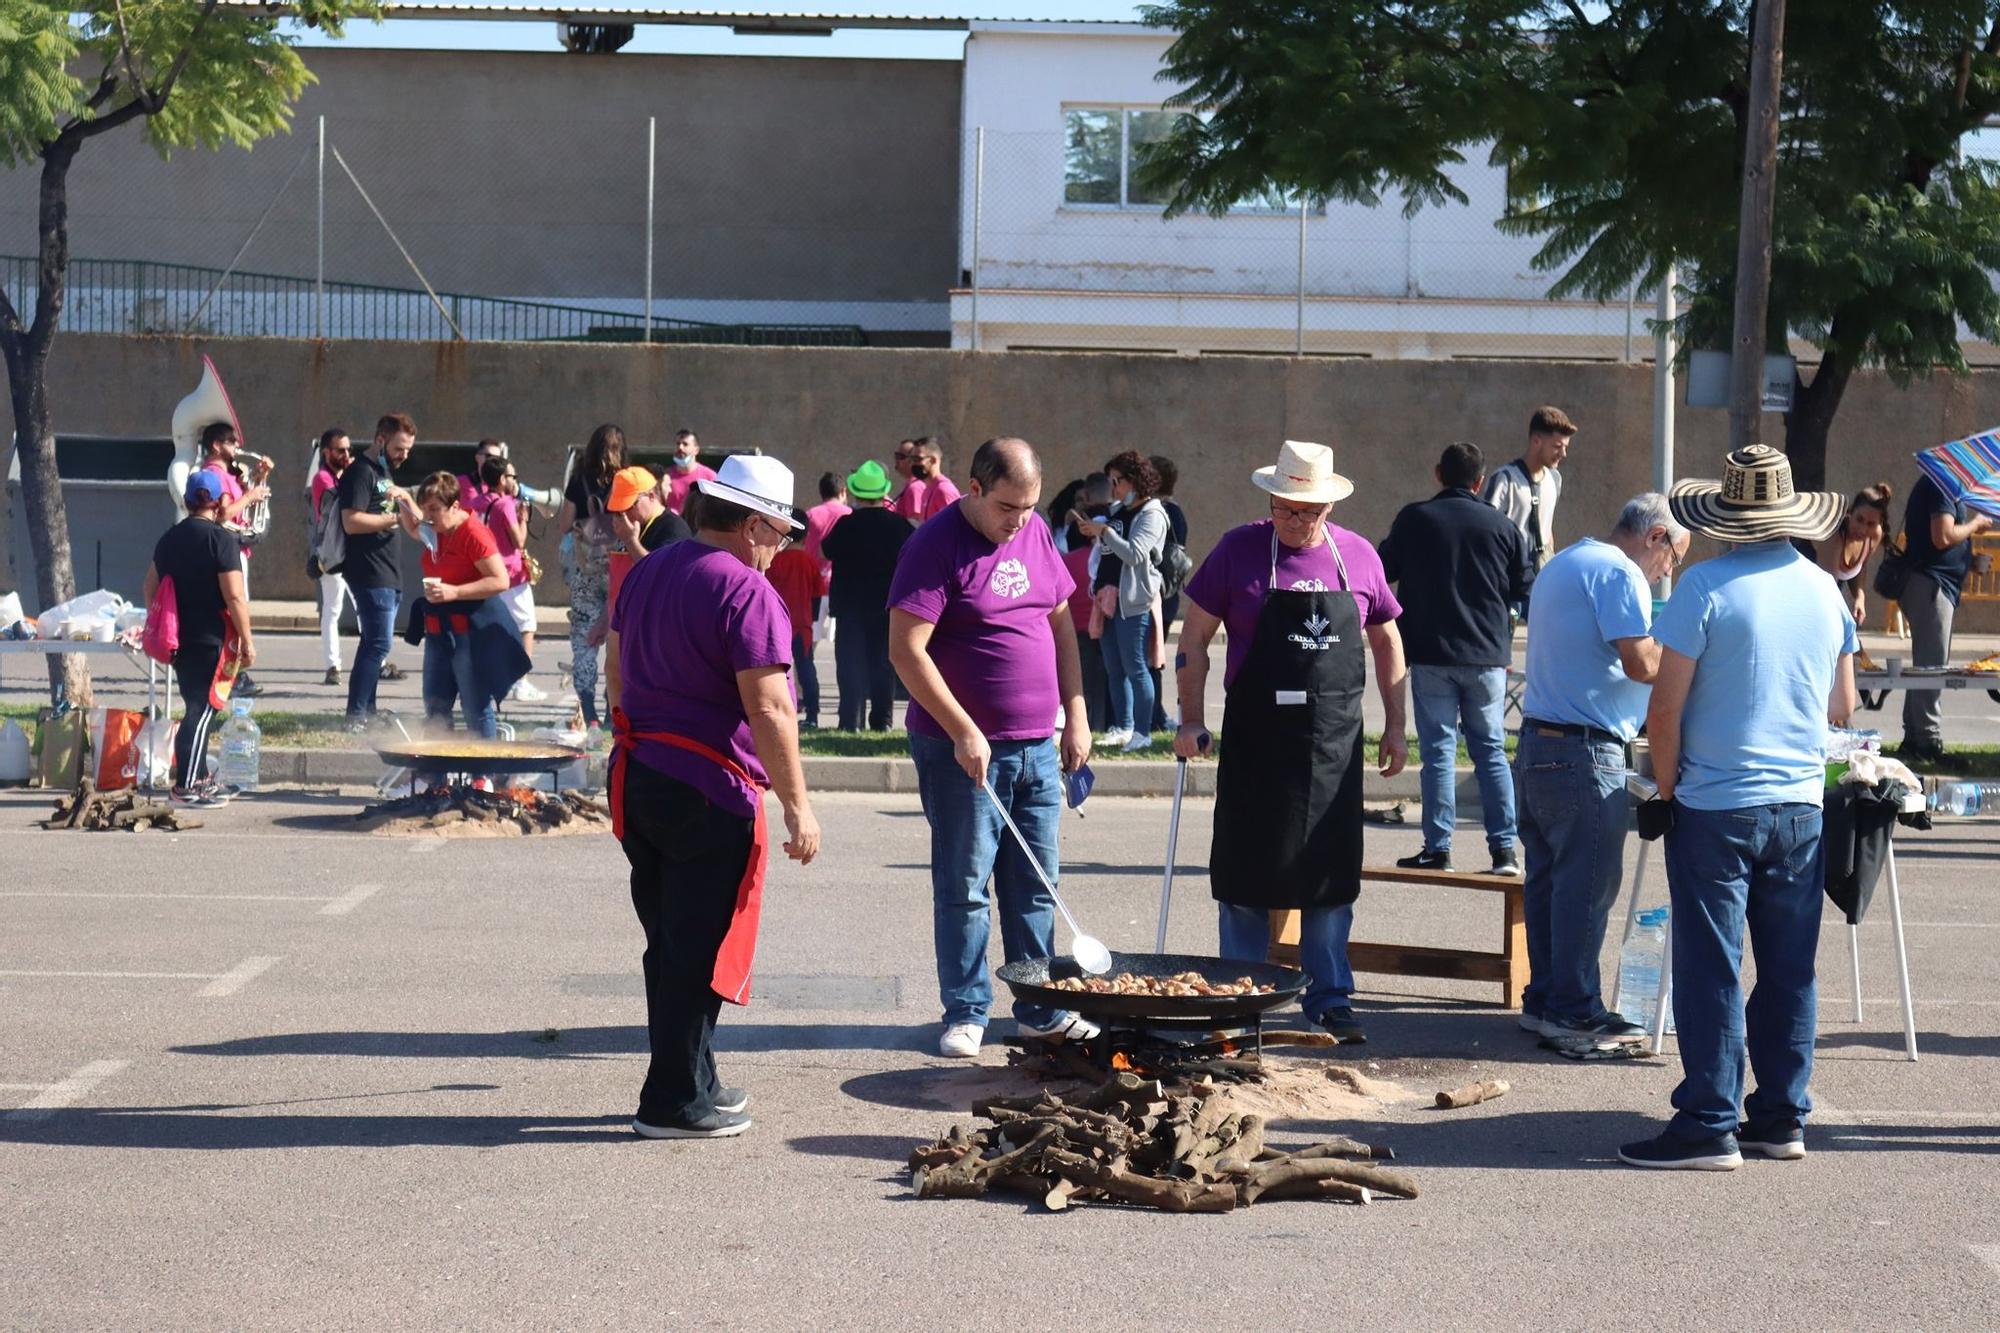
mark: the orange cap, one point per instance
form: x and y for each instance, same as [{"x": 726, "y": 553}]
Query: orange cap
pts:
[{"x": 627, "y": 485}]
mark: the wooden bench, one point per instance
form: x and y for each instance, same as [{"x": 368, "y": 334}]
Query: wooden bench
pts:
[{"x": 1508, "y": 967}]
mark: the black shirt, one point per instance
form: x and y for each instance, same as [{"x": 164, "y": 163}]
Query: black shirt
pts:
[
  {"x": 664, "y": 530},
  {"x": 371, "y": 560},
  {"x": 1460, "y": 564},
  {"x": 1946, "y": 568},
  {"x": 195, "y": 553},
  {"x": 862, "y": 548}
]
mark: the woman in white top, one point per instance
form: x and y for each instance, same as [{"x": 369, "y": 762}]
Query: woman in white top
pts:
[
  {"x": 1846, "y": 554},
  {"x": 1129, "y": 542}
]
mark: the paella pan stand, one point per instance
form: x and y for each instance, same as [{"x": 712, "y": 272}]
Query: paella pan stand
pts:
[
  {"x": 1029, "y": 980},
  {"x": 439, "y": 762}
]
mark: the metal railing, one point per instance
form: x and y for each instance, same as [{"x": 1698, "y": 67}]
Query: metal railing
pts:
[{"x": 144, "y": 296}]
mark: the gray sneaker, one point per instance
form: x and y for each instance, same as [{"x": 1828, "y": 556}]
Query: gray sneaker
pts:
[
  {"x": 719, "y": 1125},
  {"x": 1605, "y": 1026}
]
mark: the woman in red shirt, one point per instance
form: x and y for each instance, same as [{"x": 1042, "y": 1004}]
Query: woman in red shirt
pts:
[{"x": 463, "y": 579}]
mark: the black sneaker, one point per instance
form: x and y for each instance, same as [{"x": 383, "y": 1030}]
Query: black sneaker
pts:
[
  {"x": 1920, "y": 752},
  {"x": 390, "y": 671},
  {"x": 1606, "y": 1026},
  {"x": 1781, "y": 1141},
  {"x": 719, "y": 1125},
  {"x": 1507, "y": 861},
  {"x": 731, "y": 1101},
  {"x": 1667, "y": 1153},
  {"x": 245, "y": 688},
  {"x": 1426, "y": 860},
  {"x": 1341, "y": 1025}
]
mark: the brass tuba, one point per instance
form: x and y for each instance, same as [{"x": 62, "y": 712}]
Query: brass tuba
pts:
[{"x": 208, "y": 404}]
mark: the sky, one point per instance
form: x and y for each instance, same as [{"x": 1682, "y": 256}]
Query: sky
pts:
[{"x": 657, "y": 39}]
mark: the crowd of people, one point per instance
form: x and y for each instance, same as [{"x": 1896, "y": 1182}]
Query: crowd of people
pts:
[{"x": 1024, "y": 638}]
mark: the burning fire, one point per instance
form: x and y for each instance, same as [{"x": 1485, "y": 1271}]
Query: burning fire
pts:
[{"x": 1120, "y": 1060}]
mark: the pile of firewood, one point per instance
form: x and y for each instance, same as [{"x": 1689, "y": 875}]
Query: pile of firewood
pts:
[
  {"x": 123, "y": 811},
  {"x": 1133, "y": 1140},
  {"x": 507, "y": 811}
]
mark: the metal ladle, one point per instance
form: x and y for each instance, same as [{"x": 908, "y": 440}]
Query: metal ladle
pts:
[{"x": 1088, "y": 950}]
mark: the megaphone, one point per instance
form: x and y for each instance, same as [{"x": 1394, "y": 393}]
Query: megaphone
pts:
[{"x": 539, "y": 495}]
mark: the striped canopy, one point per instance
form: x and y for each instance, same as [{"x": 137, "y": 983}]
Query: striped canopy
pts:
[{"x": 1968, "y": 470}]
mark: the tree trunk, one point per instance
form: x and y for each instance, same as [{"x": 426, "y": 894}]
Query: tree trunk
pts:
[
  {"x": 27, "y": 354},
  {"x": 1811, "y": 420}
]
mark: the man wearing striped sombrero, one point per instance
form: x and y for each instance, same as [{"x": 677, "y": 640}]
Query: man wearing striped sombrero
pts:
[{"x": 1757, "y": 658}]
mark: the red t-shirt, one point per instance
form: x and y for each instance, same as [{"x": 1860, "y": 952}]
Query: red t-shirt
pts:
[
  {"x": 460, "y": 551},
  {"x": 795, "y": 574}
]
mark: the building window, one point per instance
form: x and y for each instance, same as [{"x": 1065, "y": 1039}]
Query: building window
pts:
[{"x": 1101, "y": 149}]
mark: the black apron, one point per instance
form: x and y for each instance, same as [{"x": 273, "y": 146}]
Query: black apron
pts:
[{"x": 1288, "y": 784}]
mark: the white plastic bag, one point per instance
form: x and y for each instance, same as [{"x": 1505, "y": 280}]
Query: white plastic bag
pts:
[
  {"x": 79, "y": 617},
  {"x": 10, "y": 610},
  {"x": 154, "y": 746}
]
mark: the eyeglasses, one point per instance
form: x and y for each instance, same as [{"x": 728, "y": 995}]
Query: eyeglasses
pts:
[
  {"x": 784, "y": 535},
  {"x": 1287, "y": 514}
]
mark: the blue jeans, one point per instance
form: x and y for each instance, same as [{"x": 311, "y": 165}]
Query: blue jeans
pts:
[
  {"x": 861, "y": 670},
  {"x": 1574, "y": 817},
  {"x": 1441, "y": 695},
  {"x": 1246, "y": 937},
  {"x": 969, "y": 846},
  {"x": 375, "y": 615},
  {"x": 1126, "y": 672},
  {"x": 807, "y": 672},
  {"x": 1760, "y": 867},
  {"x": 449, "y": 673}
]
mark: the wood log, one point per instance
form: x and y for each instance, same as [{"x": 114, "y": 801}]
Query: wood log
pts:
[
  {"x": 1323, "y": 1188},
  {"x": 1474, "y": 1093},
  {"x": 931, "y": 1156},
  {"x": 1339, "y": 1146},
  {"x": 970, "y": 1176},
  {"x": 1288, "y": 1172},
  {"x": 1173, "y": 1196},
  {"x": 1057, "y": 1198}
]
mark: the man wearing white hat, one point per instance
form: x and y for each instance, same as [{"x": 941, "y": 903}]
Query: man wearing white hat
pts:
[
  {"x": 1298, "y": 596},
  {"x": 1757, "y": 658},
  {"x": 703, "y": 715}
]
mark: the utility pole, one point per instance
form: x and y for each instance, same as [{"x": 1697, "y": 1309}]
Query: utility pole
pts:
[{"x": 1753, "y": 235}]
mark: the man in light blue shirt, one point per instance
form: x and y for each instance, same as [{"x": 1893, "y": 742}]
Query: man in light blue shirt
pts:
[
  {"x": 1590, "y": 656},
  {"x": 1758, "y": 660}
]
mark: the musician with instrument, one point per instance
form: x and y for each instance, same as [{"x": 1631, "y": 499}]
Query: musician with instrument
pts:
[{"x": 246, "y": 500}]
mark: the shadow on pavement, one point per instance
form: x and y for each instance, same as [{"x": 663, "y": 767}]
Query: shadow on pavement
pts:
[
  {"x": 1928, "y": 1043},
  {"x": 191, "y": 1129},
  {"x": 568, "y": 1043}
]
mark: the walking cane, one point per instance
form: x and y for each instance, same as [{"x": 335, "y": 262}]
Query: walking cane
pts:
[{"x": 1173, "y": 842}]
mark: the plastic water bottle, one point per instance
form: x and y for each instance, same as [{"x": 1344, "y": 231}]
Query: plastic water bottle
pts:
[
  {"x": 1965, "y": 798},
  {"x": 242, "y": 743},
  {"x": 1639, "y": 970}
]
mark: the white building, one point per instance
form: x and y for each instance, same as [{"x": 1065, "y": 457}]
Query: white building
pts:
[{"x": 1071, "y": 255}]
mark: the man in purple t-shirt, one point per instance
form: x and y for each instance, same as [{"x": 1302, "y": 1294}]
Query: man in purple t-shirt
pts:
[
  {"x": 980, "y": 632},
  {"x": 1306, "y": 604}
]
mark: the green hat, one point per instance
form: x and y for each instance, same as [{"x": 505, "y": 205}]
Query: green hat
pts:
[{"x": 868, "y": 482}]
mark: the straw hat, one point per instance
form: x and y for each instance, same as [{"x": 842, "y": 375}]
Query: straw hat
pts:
[
  {"x": 757, "y": 482},
  {"x": 1755, "y": 502},
  {"x": 1304, "y": 473}
]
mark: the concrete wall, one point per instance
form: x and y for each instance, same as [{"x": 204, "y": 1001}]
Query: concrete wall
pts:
[
  {"x": 515, "y": 174},
  {"x": 824, "y": 409}
]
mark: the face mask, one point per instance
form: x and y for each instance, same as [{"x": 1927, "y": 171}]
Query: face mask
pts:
[{"x": 682, "y": 464}]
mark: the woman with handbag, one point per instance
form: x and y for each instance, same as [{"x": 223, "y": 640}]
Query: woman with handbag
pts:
[
  {"x": 1129, "y": 541},
  {"x": 498, "y": 502},
  {"x": 585, "y": 522},
  {"x": 472, "y": 651}
]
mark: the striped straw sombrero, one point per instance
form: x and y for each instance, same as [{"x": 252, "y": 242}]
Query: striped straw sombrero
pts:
[{"x": 1755, "y": 502}]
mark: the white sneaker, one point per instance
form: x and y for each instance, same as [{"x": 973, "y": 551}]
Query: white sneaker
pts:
[
  {"x": 1139, "y": 743},
  {"x": 961, "y": 1041},
  {"x": 1067, "y": 1027},
  {"x": 1116, "y": 736},
  {"x": 528, "y": 692}
]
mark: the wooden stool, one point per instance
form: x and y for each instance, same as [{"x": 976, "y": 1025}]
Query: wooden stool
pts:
[{"x": 1509, "y": 966}]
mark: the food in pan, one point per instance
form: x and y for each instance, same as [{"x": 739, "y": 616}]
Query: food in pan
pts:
[
  {"x": 1988, "y": 665},
  {"x": 1188, "y": 984}
]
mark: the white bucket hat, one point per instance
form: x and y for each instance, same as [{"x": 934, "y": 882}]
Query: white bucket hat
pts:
[
  {"x": 756, "y": 482},
  {"x": 1304, "y": 473}
]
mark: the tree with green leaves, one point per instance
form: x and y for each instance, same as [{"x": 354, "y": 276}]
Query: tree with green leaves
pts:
[
  {"x": 193, "y": 75},
  {"x": 1621, "y": 126}
]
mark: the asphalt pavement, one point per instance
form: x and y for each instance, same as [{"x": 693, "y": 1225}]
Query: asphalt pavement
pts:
[{"x": 275, "y": 1073}]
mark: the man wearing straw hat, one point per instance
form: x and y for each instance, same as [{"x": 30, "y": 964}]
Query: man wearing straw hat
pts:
[
  {"x": 1298, "y": 595},
  {"x": 1757, "y": 658}
]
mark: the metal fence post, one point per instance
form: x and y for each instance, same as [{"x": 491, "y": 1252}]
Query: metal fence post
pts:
[
  {"x": 652, "y": 131},
  {"x": 319, "y": 270},
  {"x": 1299, "y": 334},
  {"x": 1631, "y": 301},
  {"x": 978, "y": 202}
]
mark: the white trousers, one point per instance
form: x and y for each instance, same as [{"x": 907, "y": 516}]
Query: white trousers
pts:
[{"x": 332, "y": 591}]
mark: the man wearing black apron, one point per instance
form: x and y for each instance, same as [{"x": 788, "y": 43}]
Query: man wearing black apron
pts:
[{"x": 1298, "y": 596}]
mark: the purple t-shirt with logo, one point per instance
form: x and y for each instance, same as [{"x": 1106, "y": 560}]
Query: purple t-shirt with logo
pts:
[
  {"x": 1230, "y": 584},
  {"x": 688, "y": 619},
  {"x": 994, "y": 644}
]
